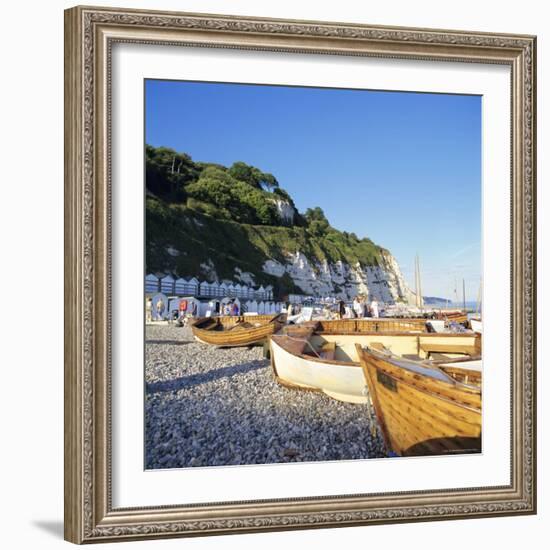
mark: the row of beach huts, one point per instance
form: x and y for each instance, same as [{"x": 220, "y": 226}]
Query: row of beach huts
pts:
[{"x": 170, "y": 285}]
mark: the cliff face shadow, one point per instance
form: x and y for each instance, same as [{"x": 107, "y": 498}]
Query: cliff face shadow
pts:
[{"x": 185, "y": 382}]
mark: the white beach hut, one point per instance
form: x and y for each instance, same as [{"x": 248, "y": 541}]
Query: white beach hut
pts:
[
  {"x": 151, "y": 284},
  {"x": 187, "y": 302},
  {"x": 167, "y": 284},
  {"x": 192, "y": 286},
  {"x": 269, "y": 292},
  {"x": 223, "y": 289},
  {"x": 180, "y": 286},
  {"x": 261, "y": 308},
  {"x": 205, "y": 289},
  {"x": 252, "y": 306},
  {"x": 215, "y": 289},
  {"x": 230, "y": 290}
]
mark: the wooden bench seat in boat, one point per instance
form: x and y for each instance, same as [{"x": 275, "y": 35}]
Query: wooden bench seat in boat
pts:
[
  {"x": 429, "y": 348},
  {"x": 241, "y": 326}
]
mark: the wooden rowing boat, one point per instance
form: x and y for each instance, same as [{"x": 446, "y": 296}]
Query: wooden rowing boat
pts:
[
  {"x": 314, "y": 356},
  {"x": 370, "y": 324},
  {"x": 467, "y": 371},
  {"x": 236, "y": 331},
  {"x": 421, "y": 409}
]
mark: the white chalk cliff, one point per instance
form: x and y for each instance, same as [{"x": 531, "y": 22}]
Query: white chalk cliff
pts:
[{"x": 384, "y": 282}]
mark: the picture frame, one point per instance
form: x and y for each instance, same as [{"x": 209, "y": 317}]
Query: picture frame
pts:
[{"x": 90, "y": 34}]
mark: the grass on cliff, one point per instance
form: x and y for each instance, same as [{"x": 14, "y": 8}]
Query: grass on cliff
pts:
[{"x": 200, "y": 237}]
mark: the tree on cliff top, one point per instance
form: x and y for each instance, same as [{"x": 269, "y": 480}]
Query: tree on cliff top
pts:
[
  {"x": 317, "y": 222},
  {"x": 234, "y": 198},
  {"x": 253, "y": 176}
]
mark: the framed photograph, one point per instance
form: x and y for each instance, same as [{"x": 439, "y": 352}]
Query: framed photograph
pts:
[{"x": 300, "y": 274}]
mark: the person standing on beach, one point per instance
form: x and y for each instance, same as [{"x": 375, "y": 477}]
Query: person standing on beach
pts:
[
  {"x": 374, "y": 308},
  {"x": 357, "y": 307},
  {"x": 365, "y": 306},
  {"x": 148, "y": 309},
  {"x": 341, "y": 309},
  {"x": 160, "y": 308}
]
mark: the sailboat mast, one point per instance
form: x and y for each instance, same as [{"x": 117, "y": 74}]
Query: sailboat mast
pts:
[
  {"x": 416, "y": 279},
  {"x": 455, "y": 303},
  {"x": 419, "y": 284},
  {"x": 478, "y": 303}
]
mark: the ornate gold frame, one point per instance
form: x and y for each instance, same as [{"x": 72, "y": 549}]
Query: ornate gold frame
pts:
[{"x": 89, "y": 35}]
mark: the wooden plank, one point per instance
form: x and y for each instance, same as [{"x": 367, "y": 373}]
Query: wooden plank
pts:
[{"x": 429, "y": 347}]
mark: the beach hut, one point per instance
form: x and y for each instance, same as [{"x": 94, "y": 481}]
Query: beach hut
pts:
[
  {"x": 213, "y": 307},
  {"x": 230, "y": 290},
  {"x": 261, "y": 308},
  {"x": 167, "y": 284},
  {"x": 252, "y": 306},
  {"x": 269, "y": 292},
  {"x": 204, "y": 289},
  {"x": 151, "y": 284},
  {"x": 260, "y": 293},
  {"x": 215, "y": 289},
  {"x": 223, "y": 289},
  {"x": 180, "y": 287},
  {"x": 183, "y": 305},
  {"x": 192, "y": 287}
]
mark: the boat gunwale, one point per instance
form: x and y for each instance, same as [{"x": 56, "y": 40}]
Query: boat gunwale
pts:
[{"x": 278, "y": 337}]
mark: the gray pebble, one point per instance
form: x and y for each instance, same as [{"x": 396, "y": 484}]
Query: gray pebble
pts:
[{"x": 214, "y": 407}]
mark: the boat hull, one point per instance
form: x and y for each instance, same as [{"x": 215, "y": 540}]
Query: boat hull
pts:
[
  {"x": 231, "y": 331},
  {"x": 422, "y": 410},
  {"x": 341, "y": 381},
  {"x": 298, "y": 360}
]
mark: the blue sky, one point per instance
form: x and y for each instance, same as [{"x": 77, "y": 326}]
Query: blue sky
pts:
[{"x": 402, "y": 168}]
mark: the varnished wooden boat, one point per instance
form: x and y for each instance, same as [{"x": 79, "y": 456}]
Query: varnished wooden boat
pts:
[
  {"x": 315, "y": 356},
  {"x": 467, "y": 371},
  {"x": 236, "y": 331},
  {"x": 370, "y": 324},
  {"x": 421, "y": 409}
]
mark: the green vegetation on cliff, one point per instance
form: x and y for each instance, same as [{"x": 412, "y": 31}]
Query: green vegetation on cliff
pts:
[{"x": 202, "y": 218}]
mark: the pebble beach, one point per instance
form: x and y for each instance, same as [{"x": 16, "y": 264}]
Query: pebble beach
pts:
[{"x": 206, "y": 406}]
